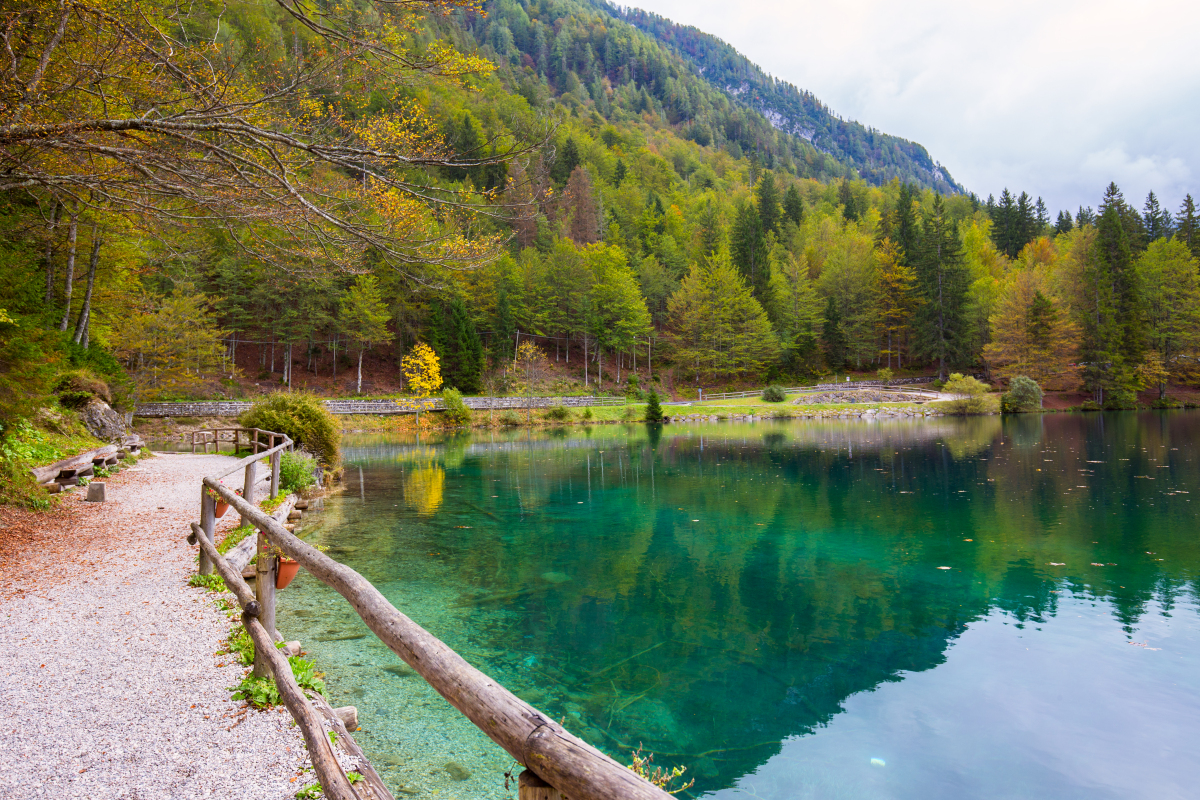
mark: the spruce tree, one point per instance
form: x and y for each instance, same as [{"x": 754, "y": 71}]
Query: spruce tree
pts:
[
  {"x": 833, "y": 335},
  {"x": 1187, "y": 227},
  {"x": 654, "y": 412},
  {"x": 1152, "y": 218},
  {"x": 1064, "y": 224},
  {"x": 942, "y": 281},
  {"x": 793, "y": 205},
  {"x": 1004, "y": 224},
  {"x": 503, "y": 330},
  {"x": 846, "y": 198},
  {"x": 768, "y": 202},
  {"x": 748, "y": 248},
  {"x": 908, "y": 234}
]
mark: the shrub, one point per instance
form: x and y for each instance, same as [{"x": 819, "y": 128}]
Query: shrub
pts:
[
  {"x": 301, "y": 416},
  {"x": 456, "y": 412},
  {"x": 654, "y": 411},
  {"x": 510, "y": 418},
  {"x": 1090, "y": 405},
  {"x": 1166, "y": 402},
  {"x": 633, "y": 388},
  {"x": 296, "y": 471},
  {"x": 1023, "y": 395},
  {"x": 80, "y": 385},
  {"x": 586, "y": 414},
  {"x": 970, "y": 394},
  {"x": 1120, "y": 399},
  {"x": 558, "y": 413},
  {"x": 630, "y": 413},
  {"x": 774, "y": 394},
  {"x": 884, "y": 373}
]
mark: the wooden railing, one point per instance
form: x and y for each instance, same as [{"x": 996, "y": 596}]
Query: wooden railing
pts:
[{"x": 556, "y": 763}]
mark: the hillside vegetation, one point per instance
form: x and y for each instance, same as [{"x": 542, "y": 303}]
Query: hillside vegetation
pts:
[{"x": 199, "y": 198}]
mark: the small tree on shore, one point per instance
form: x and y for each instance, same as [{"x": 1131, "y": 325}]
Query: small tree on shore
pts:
[
  {"x": 531, "y": 365},
  {"x": 422, "y": 370},
  {"x": 969, "y": 394},
  {"x": 654, "y": 412}
]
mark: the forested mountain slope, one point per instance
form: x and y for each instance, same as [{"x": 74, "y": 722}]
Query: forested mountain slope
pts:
[{"x": 629, "y": 62}]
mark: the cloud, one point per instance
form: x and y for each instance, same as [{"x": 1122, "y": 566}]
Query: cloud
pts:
[{"x": 1056, "y": 99}]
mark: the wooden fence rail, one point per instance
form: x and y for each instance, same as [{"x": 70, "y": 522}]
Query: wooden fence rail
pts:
[
  {"x": 898, "y": 384},
  {"x": 568, "y": 764}
]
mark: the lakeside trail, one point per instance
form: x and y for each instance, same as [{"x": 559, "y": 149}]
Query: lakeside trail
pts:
[{"x": 110, "y": 681}]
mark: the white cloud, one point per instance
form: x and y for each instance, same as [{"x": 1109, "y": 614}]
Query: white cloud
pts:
[{"x": 1054, "y": 98}]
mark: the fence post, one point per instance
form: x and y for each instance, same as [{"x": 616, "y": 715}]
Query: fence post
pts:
[
  {"x": 531, "y": 787},
  {"x": 275, "y": 470},
  {"x": 208, "y": 524},
  {"x": 248, "y": 486},
  {"x": 264, "y": 593}
]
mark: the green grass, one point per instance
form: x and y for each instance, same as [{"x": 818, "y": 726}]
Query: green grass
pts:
[{"x": 235, "y": 536}]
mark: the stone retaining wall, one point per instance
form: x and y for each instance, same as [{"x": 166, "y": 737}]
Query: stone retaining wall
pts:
[{"x": 231, "y": 408}]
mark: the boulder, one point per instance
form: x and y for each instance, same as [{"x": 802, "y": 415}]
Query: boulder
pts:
[
  {"x": 96, "y": 492},
  {"x": 102, "y": 422}
]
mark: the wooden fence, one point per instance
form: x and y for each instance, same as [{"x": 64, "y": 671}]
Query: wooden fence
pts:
[{"x": 556, "y": 763}]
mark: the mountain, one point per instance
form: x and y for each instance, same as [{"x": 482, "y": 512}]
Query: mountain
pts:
[{"x": 625, "y": 63}]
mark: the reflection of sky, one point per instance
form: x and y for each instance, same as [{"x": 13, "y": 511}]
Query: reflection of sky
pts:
[{"x": 1066, "y": 710}]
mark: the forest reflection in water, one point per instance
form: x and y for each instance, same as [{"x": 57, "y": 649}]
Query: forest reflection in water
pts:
[{"x": 722, "y": 593}]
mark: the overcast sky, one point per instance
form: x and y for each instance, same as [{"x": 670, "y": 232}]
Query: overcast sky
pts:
[{"x": 1056, "y": 98}]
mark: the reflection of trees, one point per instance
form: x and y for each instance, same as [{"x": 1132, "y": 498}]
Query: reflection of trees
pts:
[
  {"x": 424, "y": 487},
  {"x": 811, "y": 573}
]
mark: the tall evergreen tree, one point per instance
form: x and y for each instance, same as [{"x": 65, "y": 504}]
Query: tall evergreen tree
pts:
[
  {"x": 454, "y": 338},
  {"x": 1004, "y": 224},
  {"x": 942, "y": 282},
  {"x": 504, "y": 328},
  {"x": 1064, "y": 224},
  {"x": 846, "y": 198},
  {"x": 793, "y": 205},
  {"x": 1157, "y": 221},
  {"x": 833, "y": 335},
  {"x": 1113, "y": 345},
  {"x": 748, "y": 248},
  {"x": 1042, "y": 216},
  {"x": 1085, "y": 217},
  {"x": 768, "y": 202},
  {"x": 1187, "y": 227},
  {"x": 908, "y": 233}
]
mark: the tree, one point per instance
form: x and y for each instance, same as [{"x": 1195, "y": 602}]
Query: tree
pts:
[
  {"x": 1064, "y": 223},
  {"x": 167, "y": 345},
  {"x": 456, "y": 341},
  {"x": 532, "y": 367},
  {"x": 969, "y": 394},
  {"x": 364, "y": 315},
  {"x": 1187, "y": 228},
  {"x": 1156, "y": 219},
  {"x": 157, "y": 110},
  {"x": 716, "y": 327},
  {"x": 795, "y": 310},
  {"x": 768, "y": 202},
  {"x": 582, "y": 207},
  {"x": 654, "y": 412},
  {"x": 1031, "y": 333},
  {"x": 618, "y": 313},
  {"x": 847, "y": 201},
  {"x": 941, "y": 285},
  {"x": 908, "y": 232},
  {"x": 1168, "y": 272},
  {"x": 1023, "y": 395},
  {"x": 748, "y": 248},
  {"x": 421, "y": 370},
  {"x": 793, "y": 205},
  {"x": 897, "y": 300}
]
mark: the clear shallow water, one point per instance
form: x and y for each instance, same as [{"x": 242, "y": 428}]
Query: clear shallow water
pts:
[{"x": 767, "y": 603}]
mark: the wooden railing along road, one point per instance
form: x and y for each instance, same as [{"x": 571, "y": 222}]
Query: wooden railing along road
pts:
[{"x": 556, "y": 763}]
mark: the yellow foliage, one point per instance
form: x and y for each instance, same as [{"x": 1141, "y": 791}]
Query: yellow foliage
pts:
[
  {"x": 424, "y": 488},
  {"x": 422, "y": 370}
]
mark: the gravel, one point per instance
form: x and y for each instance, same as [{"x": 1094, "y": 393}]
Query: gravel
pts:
[{"x": 110, "y": 681}]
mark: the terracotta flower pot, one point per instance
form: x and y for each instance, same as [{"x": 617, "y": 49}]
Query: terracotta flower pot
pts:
[
  {"x": 222, "y": 507},
  {"x": 285, "y": 572}
]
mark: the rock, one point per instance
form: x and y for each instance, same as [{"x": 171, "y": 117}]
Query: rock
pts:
[
  {"x": 102, "y": 422},
  {"x": 96, "y": 492},
  {"x": 292, "y": 649},
  {"x": 295, "y": 516},
  {"x": 52, "y": 487},
  {"x": 348, "y": 715},
  {"x": 457, "y": 772}
]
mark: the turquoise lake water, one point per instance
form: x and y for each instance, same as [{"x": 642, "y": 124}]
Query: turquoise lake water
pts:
[{"x": 947, "y": 608}]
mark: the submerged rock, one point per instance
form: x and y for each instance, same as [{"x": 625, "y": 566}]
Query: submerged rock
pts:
[{"x": 457, "y": 772}]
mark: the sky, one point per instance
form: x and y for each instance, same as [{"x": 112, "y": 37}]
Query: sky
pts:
[{"x": 1056, "y": 98}]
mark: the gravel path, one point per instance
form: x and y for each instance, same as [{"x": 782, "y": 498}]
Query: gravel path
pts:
[{"x": 110, "y": 686}]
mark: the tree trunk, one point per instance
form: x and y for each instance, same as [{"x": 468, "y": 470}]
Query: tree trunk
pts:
[
  {"x": 72, "y": 233},
  {"x": 49, "y": 257},
  {"x": 85, "y": 313},
  {"x": 360, "y": 355},
  {"x": 335, "y": 344}
]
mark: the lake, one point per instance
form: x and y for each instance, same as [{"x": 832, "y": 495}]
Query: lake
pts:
[{"x": 949, "y": 608}]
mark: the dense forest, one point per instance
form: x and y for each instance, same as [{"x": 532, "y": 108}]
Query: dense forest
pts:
[{"x": 193, "y": 195}]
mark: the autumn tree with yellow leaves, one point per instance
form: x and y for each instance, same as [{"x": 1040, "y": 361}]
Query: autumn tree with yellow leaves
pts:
[
  {"x": 422, "y": 370},
  {"x": 1032, "y": 334}
]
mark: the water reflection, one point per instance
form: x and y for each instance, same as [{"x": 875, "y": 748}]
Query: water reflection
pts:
[{"x": 718, "y": 592}]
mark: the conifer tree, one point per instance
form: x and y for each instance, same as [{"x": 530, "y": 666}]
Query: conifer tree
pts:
[
  {"x": 1187, "y": 227},
  {"x": 1064, "y": 224},
  {"x": 908, "y": 233},
  {"x": 768, "y": 202},
  {"x": 363, "y": 316},
  {"x": 897, "y": 301},
  {"x": 1168, "y": 271},
  {"x": 1157, "y": 222},
  {"x": 793, "y": 205},
  {"x": 846, "y": 198},
  {"x": 748, "y": 248},
  {"x": 942, "y": 283},
  {"x": 833, "y": 335},
  {"x": 654, "y": 412}
]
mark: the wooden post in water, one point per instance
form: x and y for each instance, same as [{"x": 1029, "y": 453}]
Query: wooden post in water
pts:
[
  {"x": 264, "y": 592},
  {"x": 248, "y": 486},
  {"x": 208, "y": 524},
  {"x": 531, "y": 787}
]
